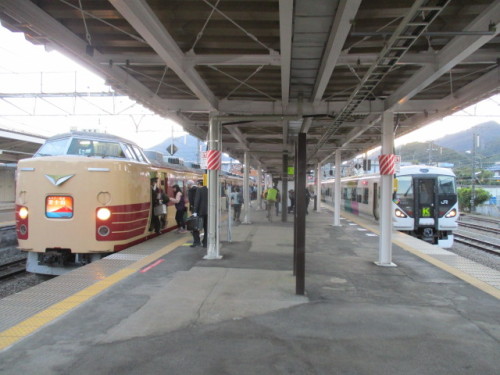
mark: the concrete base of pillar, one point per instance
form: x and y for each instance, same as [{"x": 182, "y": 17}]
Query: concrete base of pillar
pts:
[
  {"x": 386, "y": 264},
  {"x": 212, "y": 257}
]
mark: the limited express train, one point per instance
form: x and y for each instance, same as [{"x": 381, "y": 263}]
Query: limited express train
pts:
[
  {"x": 85, "y": 195},
  {"x": 424, "y": 205}
]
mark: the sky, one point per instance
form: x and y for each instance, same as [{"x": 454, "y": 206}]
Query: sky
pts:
[{"x": 25, "y": 67}]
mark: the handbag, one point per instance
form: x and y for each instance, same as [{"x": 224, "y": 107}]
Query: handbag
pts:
[
  {"x": 161, "y": 209},
  {"x": 194, "y": 223}
]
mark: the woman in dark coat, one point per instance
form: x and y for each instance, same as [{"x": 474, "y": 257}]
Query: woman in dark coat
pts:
[{"x": 180, "y": 206}]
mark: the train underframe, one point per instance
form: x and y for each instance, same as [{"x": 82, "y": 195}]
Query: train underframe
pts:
[
  {"x": 442, "y": 238},
  {"x": 58, "y": 261}
]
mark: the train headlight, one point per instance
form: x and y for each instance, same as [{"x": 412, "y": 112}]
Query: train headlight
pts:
[
  {"x": 452, "y": 213},
  {"x": 103, "y": 213},
  {"x": 399, "y": 213},
  {"x": 23, "y": 213}
]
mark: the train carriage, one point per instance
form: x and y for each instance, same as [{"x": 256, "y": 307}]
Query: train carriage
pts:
[
  {"x": 424, "y": 205},
  {"x": 85, "y": 195}
]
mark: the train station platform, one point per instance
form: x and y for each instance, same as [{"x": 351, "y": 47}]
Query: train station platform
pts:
[{"x": 159, "y": 308}]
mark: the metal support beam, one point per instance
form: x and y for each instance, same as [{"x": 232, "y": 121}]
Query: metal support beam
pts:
[
  {"x": 337, "y": 188},
  {"x": 246, "y": 190},
  {"x": 259, "y": 188},
  {"x": 142, "y": 18},
  {"x": 284, "y": 188},
  {"x": 386, "y": 182},
  {"x": 318, "y": 188},
  {"x": 300, "y": 215},
  {"x": 286, "y": 27},
  {"x": 346, "y": 12}
]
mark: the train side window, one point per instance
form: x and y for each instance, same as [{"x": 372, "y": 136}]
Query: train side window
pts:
[
  {"x": 128, "y": 152},
  {"x": 446, "y": 185},
  {"x": 365, "y": 195}
]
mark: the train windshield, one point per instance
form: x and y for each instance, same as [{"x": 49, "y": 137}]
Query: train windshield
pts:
[
  {"x": 404, "y": 187},
  {"x": 53, "y": 148},
  {"x": 82, "y": 147},
  {"x": 86, "y": 147},
  {"x": 446, "y": 185}
]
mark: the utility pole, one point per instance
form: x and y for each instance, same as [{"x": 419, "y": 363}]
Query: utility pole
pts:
[{"x": 475, "y": 142}]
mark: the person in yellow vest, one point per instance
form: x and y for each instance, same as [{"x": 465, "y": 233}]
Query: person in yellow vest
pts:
[{"x": 272, "y": 196}]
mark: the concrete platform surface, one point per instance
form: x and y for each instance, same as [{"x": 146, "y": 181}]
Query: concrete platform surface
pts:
[{"x": 240, "y": 314}]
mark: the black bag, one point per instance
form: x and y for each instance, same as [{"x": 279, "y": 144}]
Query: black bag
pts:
[{"x": 194, "y": 223}]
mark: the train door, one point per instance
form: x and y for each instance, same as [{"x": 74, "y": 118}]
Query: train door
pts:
[{"x": 426, "y": 212}]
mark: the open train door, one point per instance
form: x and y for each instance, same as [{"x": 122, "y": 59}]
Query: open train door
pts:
[{"x": 426, "y": 208}]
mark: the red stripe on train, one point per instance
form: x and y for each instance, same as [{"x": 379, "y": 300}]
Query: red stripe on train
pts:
[{"x": 126, "y": 221}]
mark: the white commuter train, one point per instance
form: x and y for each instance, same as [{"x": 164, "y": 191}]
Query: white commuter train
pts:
[{"x": 424, "y": 205}]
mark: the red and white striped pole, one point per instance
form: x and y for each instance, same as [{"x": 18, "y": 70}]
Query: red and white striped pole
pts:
[{"x": 213, "y": 166}]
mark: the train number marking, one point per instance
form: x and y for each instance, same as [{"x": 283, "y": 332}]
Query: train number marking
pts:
[{"x": 426, "y": 212}]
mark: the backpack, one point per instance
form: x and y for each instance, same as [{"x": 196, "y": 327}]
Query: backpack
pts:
[{"x": 239, "y": 198}]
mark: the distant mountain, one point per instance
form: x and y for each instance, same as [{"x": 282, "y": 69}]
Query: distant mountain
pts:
[
  {"x": 489, "y": 139},
  {"x": 431, "y": 153}
]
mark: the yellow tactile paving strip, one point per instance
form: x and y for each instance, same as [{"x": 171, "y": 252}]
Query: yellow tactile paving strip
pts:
[
  {"x": 40, "y": 319},
  {"x": 486, "y": 278}
]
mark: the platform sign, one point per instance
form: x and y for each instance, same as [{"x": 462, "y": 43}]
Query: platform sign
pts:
[
  {"x": 203, "y": 159},
  {"x": 397, "y": 163},
  {"x": 291, "y": 170}
]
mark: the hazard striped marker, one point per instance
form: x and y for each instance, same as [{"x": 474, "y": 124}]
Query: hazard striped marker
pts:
[
  {"x": 213, "y": 160},
  {"x": 387, "y": 164}
]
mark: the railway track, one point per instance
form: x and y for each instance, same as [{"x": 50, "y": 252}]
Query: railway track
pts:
[
  {"x": 486, "y": 246},
  {"x": 478, "y": 227},
  {"x": 10, "y": 269}
]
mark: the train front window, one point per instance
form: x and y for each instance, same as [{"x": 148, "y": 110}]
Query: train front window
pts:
[
  {"x": 446, "y": 185},
  {"x": 405, "y": 188},
  {"x": 87, "y": 147},
  {"x": 53, "y": 148}
]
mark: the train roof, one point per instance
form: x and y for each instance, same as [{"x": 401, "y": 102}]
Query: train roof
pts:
[{"x": 424, "y": 169}]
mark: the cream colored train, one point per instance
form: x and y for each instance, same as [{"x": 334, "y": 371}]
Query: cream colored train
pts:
[{"x": 85, "y": 195}]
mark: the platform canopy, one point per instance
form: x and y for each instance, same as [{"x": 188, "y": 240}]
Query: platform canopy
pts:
[
  {"x": 15, "y": 146},
  {"x": 270, "y": 69}
]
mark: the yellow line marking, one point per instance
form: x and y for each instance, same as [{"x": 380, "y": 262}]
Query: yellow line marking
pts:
[
  {"x": 485, "y": 287},
  {"x": 19, "y": 331}
]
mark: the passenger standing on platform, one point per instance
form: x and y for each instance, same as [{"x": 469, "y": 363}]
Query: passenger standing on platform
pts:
[
  {"x": 271, "y": 195},
  {"x": 180, "y": 206},
  {"x": 291, "y": 196},
  {"x": 155, "y": 201},
  {"x": 201, "y": 210},
  {"x": 237, "y": 200},
  {"x": 191, "y": 193},
  {"x": 308, "y": 199}
]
